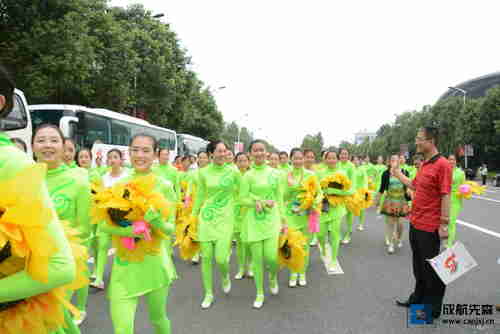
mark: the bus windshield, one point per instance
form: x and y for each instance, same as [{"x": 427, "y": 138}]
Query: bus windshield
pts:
[
  {"x": 17, "y": 118},
  {"x": 39, "y": 117}
]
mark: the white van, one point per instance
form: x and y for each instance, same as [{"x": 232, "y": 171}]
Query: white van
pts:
[{"x": 17, "y": 123}]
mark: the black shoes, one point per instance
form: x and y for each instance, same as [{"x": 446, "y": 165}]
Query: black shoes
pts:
[{"x": 405, "y": 303}]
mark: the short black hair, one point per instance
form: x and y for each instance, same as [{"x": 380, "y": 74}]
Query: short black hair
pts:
[
  {"x": 213, "y": 145},
  {"x": 283, "y": 153},
  {"x": 329, "y": 152},
  {"x": 308, "y": 150},
  {"x": 294, "y": 151},
  {"x": 145, "y": 135},
  {"x": 21, "y": 142},
  {"x": 431, "y": 133},
  {"x": 47, "y": 126},
  {"x": 7, "y": 86},
  {"x": 256, "y": 141},
  {"x": 239, "y": 155},
  {"x": 161, "y": 149},
  {"x": 117, "y": 151},
  {"x": 78, "y": 155}
]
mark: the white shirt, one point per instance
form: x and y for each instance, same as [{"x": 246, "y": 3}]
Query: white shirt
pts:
[{"x": 108, "y": 180}]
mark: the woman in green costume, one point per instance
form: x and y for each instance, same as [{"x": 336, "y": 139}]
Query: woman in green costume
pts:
[
  {"x": 331, "y": 215},
  {"x": 153, "y": 276},
  {"x": 310, "y": 165},
  {"x": 261, "y": 194},
  {"x": 284, "y": 162},
  {"x": 116, "y": 174},
  {"x": 350, "y": 171},
  {"x": 274, "y": 160},
  {"x": 242, "y": 249},
  {"x": 203, "y": 161},
  {"x": 165, "y": 170},
  {"x": 216, "y": 197},
  {"x": 296, "y": 217},
  {"x": 69, "y": 190},
  {"x": 361, "y": 177},
  {"x": 456, "y": 202},
  {"x": 70, "y": 152},
  {"x": 61, "y": 265},
  {"x": 394, "y": 205}
]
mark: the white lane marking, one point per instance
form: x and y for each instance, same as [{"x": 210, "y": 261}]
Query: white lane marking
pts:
[
  {"x": 486, "y": 199},
  {"x": 481, "y": 229}
]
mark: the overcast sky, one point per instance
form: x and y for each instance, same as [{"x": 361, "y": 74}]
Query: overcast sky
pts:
[{"x": 299, "y": 67}]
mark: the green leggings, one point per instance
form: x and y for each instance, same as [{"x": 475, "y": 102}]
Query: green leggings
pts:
[
  {"x": 349, "y": 218},
  {"x": 243, "y": 252},
  {"x": 362, "y": 217},
  {"x": 222, "y": 250},
  {"x": 123, "y": 312},
  {"x": 305, "y": 232},
  {"x": 332, "y": 227},
  {"x": 452, "y": 227},
  {"x": 102, "y": 255},
  {"x": 264, "y": 251}
]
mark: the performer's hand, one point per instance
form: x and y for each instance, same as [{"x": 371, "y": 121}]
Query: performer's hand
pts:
[
  {"x": 284, "y": 228},
  {"x": 258, "y": 206},
  {"x": 443, "y": 231},
  {"x": 270, "y": 203}
]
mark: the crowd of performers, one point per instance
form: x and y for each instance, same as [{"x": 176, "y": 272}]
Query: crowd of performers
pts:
[{"x": 59, "y": 212}]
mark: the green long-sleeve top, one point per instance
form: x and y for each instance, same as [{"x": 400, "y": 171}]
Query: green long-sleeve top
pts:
[
  {"x": 350, "y": 171},
  {"x": 261, "y": 183},
  {"x": 170, "y": 173},
  {"x": 70, "y": 192},
  {"x": 380, "y": 168},
  {"x": 285, "y": 167},
  {"x": 297, "y": 220},
  {"x": 216, "y": 196},
  {"x": 361, "y": 178},
  {"x": 132, "y": 279},
  {"x": 61, "y": 268},
  {"x": 370, "y": 170},
  {"x": 240, "y": 212},
  {"x": 340, "y": 210},
  {"x": 458, "y": 179},
  {"x": 412, "y": 171}
]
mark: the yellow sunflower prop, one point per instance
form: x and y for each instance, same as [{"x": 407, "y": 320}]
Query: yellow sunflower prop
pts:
[
  {"x": 470, "y": 188},
  {"x": 371, "y": 184},
  {"x": 354, "y": 204},
  {"x": 25, "y": 244},
  {"x": 186, "y": 236},
  {"x": 128, "y": 202},
  {"x": 291, "y": 250},
  {"x": 366, "y": 198},
  {"x": 308, "y": 193},
  {"x": 336, "y": 181}
]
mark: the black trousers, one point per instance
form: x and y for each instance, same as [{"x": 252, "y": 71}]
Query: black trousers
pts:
[
  {"x": 484, "y": 179},
  {"x": 429, "y": 289}
]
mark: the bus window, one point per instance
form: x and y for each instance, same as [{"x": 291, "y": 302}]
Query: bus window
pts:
[
  {"x": 120, "y": 133},
  {"x": 39, "y": 117},
  {"x": 97, "y": 128},
  {"x": 16, "y": 119}
]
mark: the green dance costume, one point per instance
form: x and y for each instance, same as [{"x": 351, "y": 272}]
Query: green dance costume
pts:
[
  {"x": 216, "y": 195},
  {"x": 361, "y": 176},
  {"x": 170, "y": 173},
  {"x": 151, "y": 277},
  {"x": 242, "y": 248},
  {"x": 331, "y": 216},
  {"x": 350, "y": 171},
  {"x": 69, "y": 189},
  {"x": 296, "y": 218},
  {"x": 456, "y": 204},
  {"x": 61, "y": 265},
  {"x": 261, "y": 230}
]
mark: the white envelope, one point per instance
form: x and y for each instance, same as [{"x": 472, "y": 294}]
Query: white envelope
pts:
[{"x": 453, "y": 263}]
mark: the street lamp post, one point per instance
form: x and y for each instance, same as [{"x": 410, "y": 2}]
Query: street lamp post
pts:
[{"x": 464, "y": 92}]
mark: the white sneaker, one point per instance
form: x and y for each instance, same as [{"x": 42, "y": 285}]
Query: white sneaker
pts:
[
  {"x": 226, "y": 285},
  {"x": 259, "y": 301},
  {"x": 302, "y": 280},
  {"x": 274, "y": 287},
  {"x": 387, "y": 242},
  {"x": 207, "y": 302},
  {"x": 360, "y": 228},
  {"x": 314, "y": 242},
  {"x": 250, "y": 274},
  {"x": 400, "y": 244},
  {"x": 346, "y": 240},
  {"x": 390, "y": 249},
  {"x": 79, "y": 321},
  {"x": 239, "y": 275},
  {"x": 90, "y": 260},
  {"x": 196, "y": 259},
  {"x": 111, "y": 251},
  {"x": 293, "y": 281},
  {"x": 98, "y": 285}
]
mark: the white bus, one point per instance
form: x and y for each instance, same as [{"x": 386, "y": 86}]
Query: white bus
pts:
[
  {"x": 17, "y": 122},
  {"x": 111, "y": 129},
  {"x": 190, "y": 145}
]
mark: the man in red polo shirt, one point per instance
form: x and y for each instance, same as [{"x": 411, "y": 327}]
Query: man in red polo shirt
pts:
[{"x": 429, "y": 219}]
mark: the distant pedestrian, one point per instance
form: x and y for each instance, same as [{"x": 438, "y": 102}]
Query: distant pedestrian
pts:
[{"x": 483, "y": 171}]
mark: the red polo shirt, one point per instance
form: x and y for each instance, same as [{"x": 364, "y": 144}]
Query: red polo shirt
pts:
[{"x": 433, "y": 181}]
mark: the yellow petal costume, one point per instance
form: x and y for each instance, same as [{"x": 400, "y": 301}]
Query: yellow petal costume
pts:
[
  {"x": 130, "y": 201},
  {"x": 186, "y": 236},
  {"x": 25, "y": 244},
  {"x": 291, "y": 250}
]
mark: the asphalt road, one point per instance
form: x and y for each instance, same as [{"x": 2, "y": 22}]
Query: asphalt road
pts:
[{"x": 359, "y": 301}]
